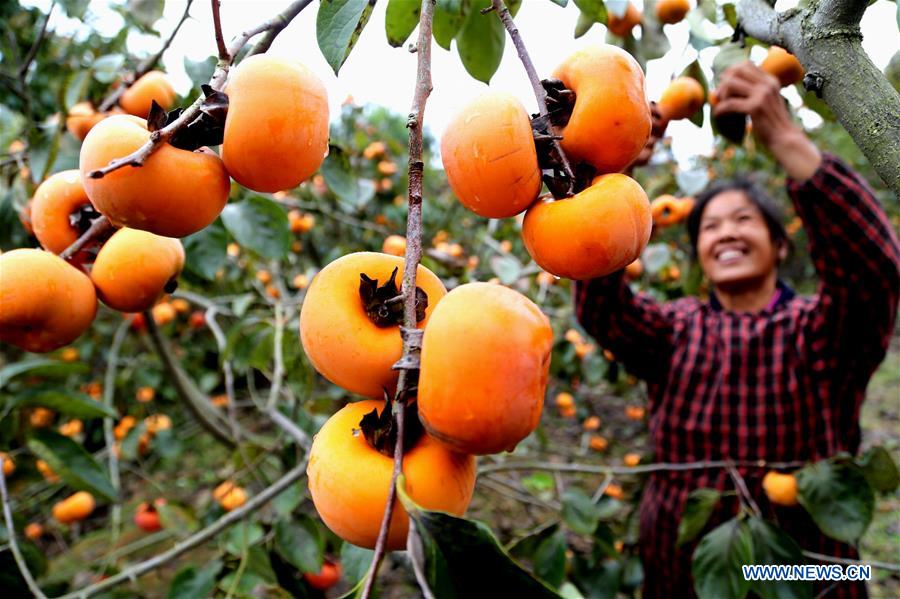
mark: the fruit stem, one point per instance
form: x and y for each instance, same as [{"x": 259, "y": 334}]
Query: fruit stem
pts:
[
  {"x": 98, "y": 227},
  {"x": 540, "y": 94},
  {"x": 408, "y": 375}
]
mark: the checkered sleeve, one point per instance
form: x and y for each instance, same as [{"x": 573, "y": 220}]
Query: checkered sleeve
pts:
[
  {"x": 631, "y": 325},
  {"x": 857, "y": 257}
]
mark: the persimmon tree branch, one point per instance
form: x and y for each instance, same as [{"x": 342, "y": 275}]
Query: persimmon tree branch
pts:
[
  {"x": 99, "y": 226},
  {"x": 196, "y": 539},
  {"x": 13, "y": 543},
  {"x": 826, "y": 39},
  {"x": 281, "y": 22},
  {"x": 32, "y": 52},
  {"x": 217, "y": 25},
  {"x": 146, "y": 66},
  {"x": 540, "y": 94},
  {"x": 408, "y": 365},
  {"x": 217, "y": 82},
  {"x": 658, "y": 467},
  {"x": 109, "y": 386}
]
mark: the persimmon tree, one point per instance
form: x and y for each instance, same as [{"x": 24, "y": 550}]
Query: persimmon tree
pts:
[{"x": 209, "y": 454}]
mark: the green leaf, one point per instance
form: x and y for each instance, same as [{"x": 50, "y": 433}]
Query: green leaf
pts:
[
  {"x": 694, "y": 71},
  {"x": 71, "y": 403},
  {"x": 579, "y": 512},
  {"x": 41, "y": 367},
  {"x": 699, "y": 507},
  {"x": 838, "y": 497},
  {"x": 205, "y": 251},
  {"x": 563, "y": 3},
  {"x": 259, "y": 224},
  {"x": 595, "y": 10},
  {"x": 107, "y": 68},
  {"x": 583, "y": 25},
  {"x": 75, "y": 9},
  {"x": 480, "y": 42},
  {"x": 470, "y": 555},
  {"x": 76, "y": 467},
  {"x": 300, "y": 543},
  {"x": 601, "y": 580},
  {"x": 550, "y": 559},
  {"x": 200, "y": 71},
  {"x": 338, "y": 25},
  {"x": 507, "y": 268},
  {"x": 77, "y": 87},
  {"x": 730, "y": 13},
  {"x": 730, "y": 54},
  {"x": 718, "y": 559},
  {"x": 400, "y": 20},
  {"x": 879, "y": 469},
  {"x": 191, "y": 583},
  {"x": 773, "y": 546},
  {"x": 288, "y": 500},
  {"x": 448, "y": 19},
  {"x": 146, "y": 12},
  {"x": 355, "y": 562},
  {"x": 346, "y": 184},
  {"x": 241, "y": 536}
]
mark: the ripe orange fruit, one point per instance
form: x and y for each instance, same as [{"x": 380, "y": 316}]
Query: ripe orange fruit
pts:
[
  {"x": 583, "y": 349},
  {"x": 615, "y": 491},
  {"x": 681, "y": 99},
  {"x": 545, "y": 278},
  {"x": 591, "y": 423},
  {"x": 197, "y": 319},
  {"x": 780, "y": 488},
  {"x": 666, "y": 210},
  {"x": 81, "y": 118},
  {"x": 568, "y": 412},
  {"x": 274, "y": 141},
  {"x": 74, "y": 507},
  {"x": 300, "y": 282},
  {"x": 635, "y": 412},
  {"x": 623, "y": 25},
  {"x": 376, "y": 149},
  {"x": 181, "y": 305},
  {"x": 9, "y": 466},
  {"x": 34, "y": 531},
  {"x": 349, "y": 479},
  {"x": 263, "y": 276},
  {"x": 672, "y": 11},
  {"x": 157, "y": 422},
  {"x": 610, "y": 123},
  {"x": 395, "y": 245},
  {"x": 230, "y": 496},
  {"x": 136, "y": 100},
  {"x": 340, "y": 339},
  {"x": 686, "y": 205},
  {"x": 124, "y": 426},
  {"x": 598, "y": 231},
  {"x": 147, "y": 518},
  {"x": 783, "y": 65},
  {"x": 564, "y": 400},
  {"x": 69, "y": 354},
  {"x": 386, "y": 167},
  {"x": 174, "y": 194},
  {"x": 45, "y": 303},
  {"x": 634, "y": 269},
  {"x": 72, "y": 428},
  {"x": 163, "y": 313},
  {"x": 485, "y": 362},
  {"x": 46, "y": 471},
  {"x": 134, "y": 267},
  {"x": 598, "y": 443},
  {"x": 489, "y": 156},
  {"x": 325, "y": 578},
  {"x": 220, "y": 401},
  {"x": 573, "y": 336},
  {"x": 41, "y": 417},
  {"x": 631, "y": 459}
]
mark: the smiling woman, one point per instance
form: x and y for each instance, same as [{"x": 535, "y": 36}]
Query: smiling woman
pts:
[{"x": 756, "y": 372}]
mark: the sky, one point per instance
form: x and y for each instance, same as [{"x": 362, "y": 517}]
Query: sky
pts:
[{"x": 379, "y": 74}]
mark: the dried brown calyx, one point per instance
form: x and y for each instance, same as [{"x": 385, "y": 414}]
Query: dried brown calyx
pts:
[
  {"x": 560, "y": 103},
  {"x": 207, "y": 129},
  {"x": 380, "y": 431},
  {"x": 384, "y": 304}
]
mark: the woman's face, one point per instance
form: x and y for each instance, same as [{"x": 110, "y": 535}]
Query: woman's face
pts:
[{"x": 734, "y": 245}]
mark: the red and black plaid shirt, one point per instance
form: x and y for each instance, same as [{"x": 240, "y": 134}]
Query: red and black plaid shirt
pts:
[{"x": 783, "y": 384}]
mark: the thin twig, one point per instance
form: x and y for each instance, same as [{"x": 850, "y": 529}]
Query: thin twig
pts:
[
  {"x": 744, "y": 492},
  {"x": 217, "y": 25},
  {"x": 409, "y": 373},
  {"x": 146, "y": 66},
  {"x": 294, "y": 431},
  {"x": 283, "y": 19},
  {"x": 540, "y": 93},
  {"x": 32, "y": 52},
  {"x": 217, "y": 82},
  {"x": 99, "y": 226},
  {"x": 109, "y": 384},
  {"x": 13, "y": 544},
  {"x": 196, "y": 539},
  {"x": 852, "y": 562},
  {"x": 417, "y": 556},
  {"x": 221, "y": 344},
  {"x": 643, "y": 469},
  {"x": 278, "y": 373}
]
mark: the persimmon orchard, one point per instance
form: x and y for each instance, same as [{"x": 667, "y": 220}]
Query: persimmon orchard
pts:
[{"x": 250, "y": 347}]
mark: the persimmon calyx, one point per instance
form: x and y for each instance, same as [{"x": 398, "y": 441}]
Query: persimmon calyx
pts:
[
  {"x": 380, "y": 431},
  {"x": 384, "y": 304},
  {"x": 207, "y": 129},
  {"x": 560, "y": 101}
]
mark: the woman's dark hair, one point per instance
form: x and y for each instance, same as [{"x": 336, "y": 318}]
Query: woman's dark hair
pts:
[{"x": 755, "y": 195}]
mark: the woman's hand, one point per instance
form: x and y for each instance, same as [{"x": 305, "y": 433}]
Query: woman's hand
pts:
[{"x": 747, "y": 89}]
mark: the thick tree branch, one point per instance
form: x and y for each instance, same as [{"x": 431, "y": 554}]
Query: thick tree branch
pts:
[
  {"x": 409, "y": 363},
  {"x": 825, "y": 39},
  {"x": 217, "y": 82}
]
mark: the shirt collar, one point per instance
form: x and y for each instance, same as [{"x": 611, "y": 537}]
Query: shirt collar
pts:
[{"x": 784, "y": 292}]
